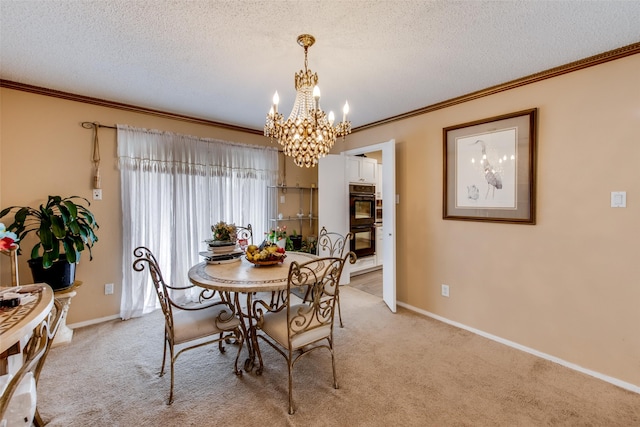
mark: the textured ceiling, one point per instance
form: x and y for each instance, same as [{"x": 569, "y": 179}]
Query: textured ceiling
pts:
[{"x": 222, "y": 60}]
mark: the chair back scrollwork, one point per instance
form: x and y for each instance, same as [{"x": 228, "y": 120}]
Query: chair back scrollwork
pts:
[
  {"x": 245, "y": 233},
  {"x": 332, "y": 244},
  {"x": 323, "y": 278},
  {"x": 145, "y": 256}
]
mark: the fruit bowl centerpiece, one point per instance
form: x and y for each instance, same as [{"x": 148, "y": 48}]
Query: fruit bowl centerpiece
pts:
[{"x": 266, "y": 254}]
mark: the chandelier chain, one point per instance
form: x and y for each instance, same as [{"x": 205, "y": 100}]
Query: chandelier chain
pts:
[{"x": 305, "y": 59}]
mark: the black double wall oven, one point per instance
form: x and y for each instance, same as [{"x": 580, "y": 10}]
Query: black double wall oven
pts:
[{"x": 362, "y": 218}]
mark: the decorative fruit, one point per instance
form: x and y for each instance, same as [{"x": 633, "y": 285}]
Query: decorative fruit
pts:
[{"x": 267, "y": 251}]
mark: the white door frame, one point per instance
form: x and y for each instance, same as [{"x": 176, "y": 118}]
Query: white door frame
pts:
[
  {"x": 333, "y": 201},
  {"x": 388, "y": 218}
]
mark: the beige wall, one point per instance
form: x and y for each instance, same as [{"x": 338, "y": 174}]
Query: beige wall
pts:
[
  {"x": 45, "y": 151},
  {"x": 568, "y": 286}
]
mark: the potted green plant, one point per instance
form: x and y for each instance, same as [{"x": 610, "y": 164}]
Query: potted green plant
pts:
[{"x": 64, "y": 229}]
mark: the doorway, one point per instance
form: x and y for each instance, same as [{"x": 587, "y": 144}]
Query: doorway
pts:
[
  {"x": 333, "y": 208},
  {"x": 388, "y": 229}
]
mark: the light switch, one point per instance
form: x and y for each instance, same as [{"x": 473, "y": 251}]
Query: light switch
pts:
[{"x": 618, "y": 199}]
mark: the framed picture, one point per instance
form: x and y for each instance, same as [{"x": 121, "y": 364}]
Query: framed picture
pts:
[{"x": 490, "y": 169}]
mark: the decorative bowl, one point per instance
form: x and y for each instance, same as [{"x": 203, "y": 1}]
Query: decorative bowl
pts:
[
  {"x": 222, "y": 250},
  {"x": 217, "y": 243},
  {"x": 221, "y": 247},
  {"x": 267, "y": 262}
]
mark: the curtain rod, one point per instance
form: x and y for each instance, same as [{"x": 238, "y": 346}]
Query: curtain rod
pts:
[{"x": 91, "y": 125}]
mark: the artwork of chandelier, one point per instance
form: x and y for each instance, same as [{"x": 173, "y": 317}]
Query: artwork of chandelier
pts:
[{"x": 308, "y": 133}]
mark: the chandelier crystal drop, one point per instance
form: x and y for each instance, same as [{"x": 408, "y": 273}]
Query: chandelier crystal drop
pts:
[{"x": 308, "y": 133}]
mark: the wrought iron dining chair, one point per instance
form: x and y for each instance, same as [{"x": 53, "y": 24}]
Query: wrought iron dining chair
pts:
[
  {"x": 333, "y": 244},
  {"x": 188, "y": 326},
  {"x": 35, "y": 352},
  {"x": 245, "y": 233},
  {"x": 296, "y": 329}
]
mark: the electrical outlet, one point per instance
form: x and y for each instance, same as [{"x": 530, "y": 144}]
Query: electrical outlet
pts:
[
  {"x": 97, "y": 194},
  {"x": 282, "y": 199},
  {"x": 108, "y": 289},
  {"x": 618, "y": 199},
  {"x": 445, "y": 291}
]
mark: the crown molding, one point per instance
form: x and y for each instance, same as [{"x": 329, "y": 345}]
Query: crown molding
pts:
[
  {"x": 120, "y": 106},
  {"x": 601, "y": 58}
]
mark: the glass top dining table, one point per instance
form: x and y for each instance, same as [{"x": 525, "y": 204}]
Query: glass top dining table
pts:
[{"x": 241, "y": 277}]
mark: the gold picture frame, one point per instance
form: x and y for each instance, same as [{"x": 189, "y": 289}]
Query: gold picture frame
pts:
[{"x": 490, "y": 169}]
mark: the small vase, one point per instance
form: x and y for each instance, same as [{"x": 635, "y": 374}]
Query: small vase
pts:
[{"x": 281, "y": 243}]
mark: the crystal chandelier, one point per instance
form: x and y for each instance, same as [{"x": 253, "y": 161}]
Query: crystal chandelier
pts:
[{"x": 308, "y": 133}]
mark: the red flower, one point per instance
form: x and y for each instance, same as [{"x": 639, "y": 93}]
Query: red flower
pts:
[{"x": 6, "y": 243}]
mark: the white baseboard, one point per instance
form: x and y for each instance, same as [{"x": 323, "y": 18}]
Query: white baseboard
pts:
[
  {"x": 366, "y": 270},
  {"x": 93, "y": 321},
  {"x": 622, "y": 384}
]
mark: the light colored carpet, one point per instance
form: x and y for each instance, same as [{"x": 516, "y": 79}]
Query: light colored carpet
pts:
[{"x": 401, "y": 370}]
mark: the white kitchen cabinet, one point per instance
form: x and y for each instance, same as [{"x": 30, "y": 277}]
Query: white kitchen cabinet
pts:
[
  {"x": 364, "y": 265},
  {"x": 362, "y": 169},
  {"x": 379, "y": 182},
  {"x": 379, "y": 250}
]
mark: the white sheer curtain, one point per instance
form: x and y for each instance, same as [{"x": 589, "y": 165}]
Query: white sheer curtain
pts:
[{"x": 174, "y": 187}]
